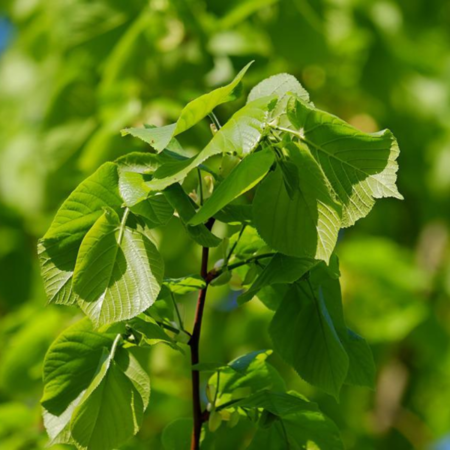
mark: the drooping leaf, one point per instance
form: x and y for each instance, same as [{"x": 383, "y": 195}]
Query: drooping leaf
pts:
[
  {"x": 193, "y": 112},
  {"x": 71, "y": 363},
  {"x": 361, "y": 370},
  {"x": 59, "y": 247},
  {"x": 360, "y": 167},
  {"x": 110, "y": 411},
  {"x": 304, "y": 335},
  {"x": 182, "y": 203},
  {"x": 290, "y": 421},
  {"x": 118, "y": 272},
  {"x": 240, "y": 135},
  {"x": 281, "y": 269},
  {"x": 81, "y": 366},
  {"x": 244, "y": 176},
  {"x": 305, "y": 226}
]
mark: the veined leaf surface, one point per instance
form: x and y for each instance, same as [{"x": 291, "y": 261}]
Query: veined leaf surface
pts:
[{"x": 118, "y": 273}]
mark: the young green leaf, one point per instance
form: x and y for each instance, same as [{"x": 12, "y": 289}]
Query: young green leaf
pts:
[
  {"x": 183, "y": 204},
  {"x": 244, "y": 176},
  {"x": 58, "y": 249},
  {"x": 306, "y": 226},
  {"x": 240, "y": 135},
  {"x": 284, "y": 86},
  {"x": 304, "y": 335},
  {"x": 118, "y": 272},
  {"x": 279, "y": 85},
  {"x": 193, "y": 112},
  {"x": 360, "y": 167}
]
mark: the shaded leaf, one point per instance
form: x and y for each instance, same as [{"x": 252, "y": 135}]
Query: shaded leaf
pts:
[
  {"x": 304, "y": 335},
  {"x": 183, "y": 204},
  {"x": 281, "y": 269},
  {"x": 306, "y": 226}
]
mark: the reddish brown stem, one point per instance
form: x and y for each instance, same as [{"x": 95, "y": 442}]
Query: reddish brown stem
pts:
[{"x": 194, "y": 342}]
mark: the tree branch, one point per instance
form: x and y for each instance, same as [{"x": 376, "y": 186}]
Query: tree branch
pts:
[{"x": 194, "y": 345}]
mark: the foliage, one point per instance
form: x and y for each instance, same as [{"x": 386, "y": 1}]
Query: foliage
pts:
[
  {"x": 73, "y": 74},
  {"x": 95, "y": 392}
]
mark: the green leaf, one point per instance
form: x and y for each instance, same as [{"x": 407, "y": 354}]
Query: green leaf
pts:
[
  {"x": 110, "y": 411},
  {"x": 306, "y": 226},
  {"x": 133, "y": 188},
  {"x": 246, "y": 375},
  {"x": 304, "y": 335},
  {"x": 81, "y": 367},
  {"x": 155, "y": 210},
  {"x": 361, "y": 364},
  {"x": 235, "y": 214},
  {"x": 293, "y": 423},
  {"x": 284, "y": 86},
  {"x": 118, "y": 272},
  {"x": 71, "y": 363},
  {"x": 151, "y": 333},
  {"x": 139, "y": 162},
  {"x": 279, "y": 85},
  {"x": 244, "y": 176},
  {"x": 191, "y": 283},
  {"x": 240, "y": 135},
  {"x": 183, "y": 204},
  {"x": 360, "y": 167},
  {"x": 281, "y": 269},
  {"x": 58, "y": 249},
  {"x": 193, "y": 112},
  {"x": 247, "y": 243}
]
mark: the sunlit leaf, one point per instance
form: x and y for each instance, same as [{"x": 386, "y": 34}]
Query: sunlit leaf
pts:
[
  {"x": 58, "y": 249},
  {"x": 118, "y": 273},
  {"x": 193, "y": 112},
  {"x": 360, "y": 167}
]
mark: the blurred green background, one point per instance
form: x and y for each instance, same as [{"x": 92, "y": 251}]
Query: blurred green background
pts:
[{"x": 74, "y": 72}]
